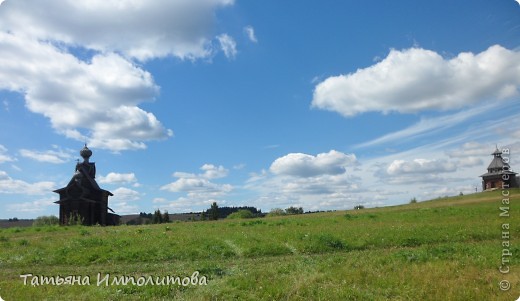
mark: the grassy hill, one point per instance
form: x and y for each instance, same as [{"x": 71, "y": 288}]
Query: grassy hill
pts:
[{"x": 444, "y": 249}]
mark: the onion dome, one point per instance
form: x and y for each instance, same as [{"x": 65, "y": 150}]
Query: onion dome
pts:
[{"x": 85, "y": 153}]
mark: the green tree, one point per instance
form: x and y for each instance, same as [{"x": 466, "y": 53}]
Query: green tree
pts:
[
  {"x": 213, "y": 212},
  {"x": 166, "y": 217},
  {"x": 157, "y": 217},
  {"x": 294, "y": 210}
]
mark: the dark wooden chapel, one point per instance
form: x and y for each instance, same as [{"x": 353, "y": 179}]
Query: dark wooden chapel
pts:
[{"x": 83, "y": 199}]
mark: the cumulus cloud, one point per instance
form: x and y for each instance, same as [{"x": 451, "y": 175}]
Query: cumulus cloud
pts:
[
  {"x": 125, "y": 194},
  {"x": 420, "y": 166},
  {"x": 228, "y": 45},
  {"x": 138, "y": 29},
  {"x": 214, "y": 172},
  {"x": 198, "y": 186},
  {"x": 210, "y": 172},
  {"x": 416, "y": 79},
  {"x": 303, "y": 165},
  {"x": 124, "y": 201},
  {"x": 118, "y": 178},
  {"x": 250, "y": 32},
  {"x": 13, "y": 186},
  {"x": 97, "y": 97},
  {"x": 298, "y": 179},
  {"x": 189, "y": 204},
  {"x": 57, "y": 156}
]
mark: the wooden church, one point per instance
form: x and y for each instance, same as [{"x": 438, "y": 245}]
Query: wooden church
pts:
[
  {"x": 83, "y": 198},
  {"x": 499, "y": 174}
]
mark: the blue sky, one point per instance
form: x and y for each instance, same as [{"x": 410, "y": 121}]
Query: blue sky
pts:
[{"x": 319, "y": 104}]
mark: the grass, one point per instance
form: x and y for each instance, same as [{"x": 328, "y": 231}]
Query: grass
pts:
[{"x": 444, "y": 249}]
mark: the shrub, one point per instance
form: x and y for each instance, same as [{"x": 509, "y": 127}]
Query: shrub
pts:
[
  {"x": 276, "y": 212},
  {"x": 413, "y": 200},
  {"x": 241, "y": 214},
  {"x": 294, "y": 210}
]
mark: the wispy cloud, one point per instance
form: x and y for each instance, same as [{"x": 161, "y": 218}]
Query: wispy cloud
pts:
[
  {"x": 228, "y": 45},
  {"x": 250, "y": 32},
  {"x": 427, "y": 126}
]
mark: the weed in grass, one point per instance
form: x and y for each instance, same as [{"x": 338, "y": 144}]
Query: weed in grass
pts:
[
  {"x": 253, "y": 223},
  {"x": 84, "y": 232},
  {"x": 212, "y": 270},
  {"x": 16, "y": 230},
  {"x": 411, "y": 242},
  {"x": 323, "y": 243},
  {"x": 349, "y": 216}
]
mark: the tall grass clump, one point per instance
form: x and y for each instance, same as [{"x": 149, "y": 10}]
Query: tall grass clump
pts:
[{"x": 42, "y": 221}]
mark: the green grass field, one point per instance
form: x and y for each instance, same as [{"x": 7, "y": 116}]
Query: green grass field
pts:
[{"x": 444, "y": 249}]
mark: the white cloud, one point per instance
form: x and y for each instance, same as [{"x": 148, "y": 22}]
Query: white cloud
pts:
[
  {"x": 99, "y": 97},
  {"x": 31, "y": 207},
  {"x": 298, "y": 179},
  {"x": 214, "y": 172},
  {"x": 117, "y": 178},
  {"x": 13, "y": 186},
  {"x": 416, "y": 79},
  {"x": 50, "y": 156},
  {"x": 3, "y": 155},
  {"x": 189, "y": 204},
  {"x": 228, "y": 45},
  {"x": 138, "y": 29},
  {"x": 250, "y": 32},
  {"x": 96, "y": 99},
  {"x": 125, "y": 201},
  {"x": 198, "y": 187},
  {"x": 210, "y": 172},
  {"x": 125, "y": 194},
  {"x": 303, "y": 165},
  {"x": 419, "y": 166}
]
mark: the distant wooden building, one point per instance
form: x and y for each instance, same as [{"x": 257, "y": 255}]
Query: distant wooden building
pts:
[
  {"x": 499, "y": 174},
  {"x": 83, "y": 197}
]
